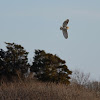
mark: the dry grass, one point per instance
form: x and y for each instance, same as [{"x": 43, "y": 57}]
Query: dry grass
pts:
[{"x": 34, "y": 90}]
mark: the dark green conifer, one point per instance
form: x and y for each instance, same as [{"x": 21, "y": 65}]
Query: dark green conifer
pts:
[{"x": 49, "y": 67}]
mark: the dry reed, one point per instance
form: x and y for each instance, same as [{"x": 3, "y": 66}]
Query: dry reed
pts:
[{"x": 34, "y": 90}]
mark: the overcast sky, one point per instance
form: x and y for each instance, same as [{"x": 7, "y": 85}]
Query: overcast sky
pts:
[{"x": 35, "y": 25}]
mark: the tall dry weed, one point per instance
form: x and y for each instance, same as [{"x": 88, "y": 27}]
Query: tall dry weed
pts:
[{"x": 34, "y": 90}]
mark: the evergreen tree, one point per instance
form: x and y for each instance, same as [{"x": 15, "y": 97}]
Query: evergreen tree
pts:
[
  {"x": 2, "y": 62},
  {"x": 14, "y": 61},
  {"x": 49, "y": 67},
  {"x": 4, "y": 68}
]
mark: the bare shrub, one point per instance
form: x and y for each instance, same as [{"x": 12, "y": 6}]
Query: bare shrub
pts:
[{"x": 80, "y": 78}]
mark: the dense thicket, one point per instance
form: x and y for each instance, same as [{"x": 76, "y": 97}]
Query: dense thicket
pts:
[
  {"x": 13, "y": 61},
  {"x": 47, "y": 67}
]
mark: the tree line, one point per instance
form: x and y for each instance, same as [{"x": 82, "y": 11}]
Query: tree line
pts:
[{"x": 46, "y": 66}]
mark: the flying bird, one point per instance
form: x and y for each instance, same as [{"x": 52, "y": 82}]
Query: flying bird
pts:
[{"x": 64, "y": 28}]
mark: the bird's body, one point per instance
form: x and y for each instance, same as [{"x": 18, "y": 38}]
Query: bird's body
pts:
[{"x": 64, "y": 28}]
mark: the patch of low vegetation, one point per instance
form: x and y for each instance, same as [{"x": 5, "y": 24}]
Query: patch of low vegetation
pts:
[{"x": 35, "y": 90}]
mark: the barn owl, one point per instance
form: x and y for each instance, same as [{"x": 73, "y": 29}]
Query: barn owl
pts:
[{"x": 64, "y": 28}]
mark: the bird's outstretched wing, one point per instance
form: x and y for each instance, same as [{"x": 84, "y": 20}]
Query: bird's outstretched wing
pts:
[
  {"x": 65, "y": 22},
  {"x": 65, "y": 33}
]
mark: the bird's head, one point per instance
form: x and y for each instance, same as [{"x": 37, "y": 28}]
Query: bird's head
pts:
[{"x": 61, "y": 28}]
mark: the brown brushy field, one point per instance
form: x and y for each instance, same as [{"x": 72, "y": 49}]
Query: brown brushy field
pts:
[{"x": 35, "y": 90}]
